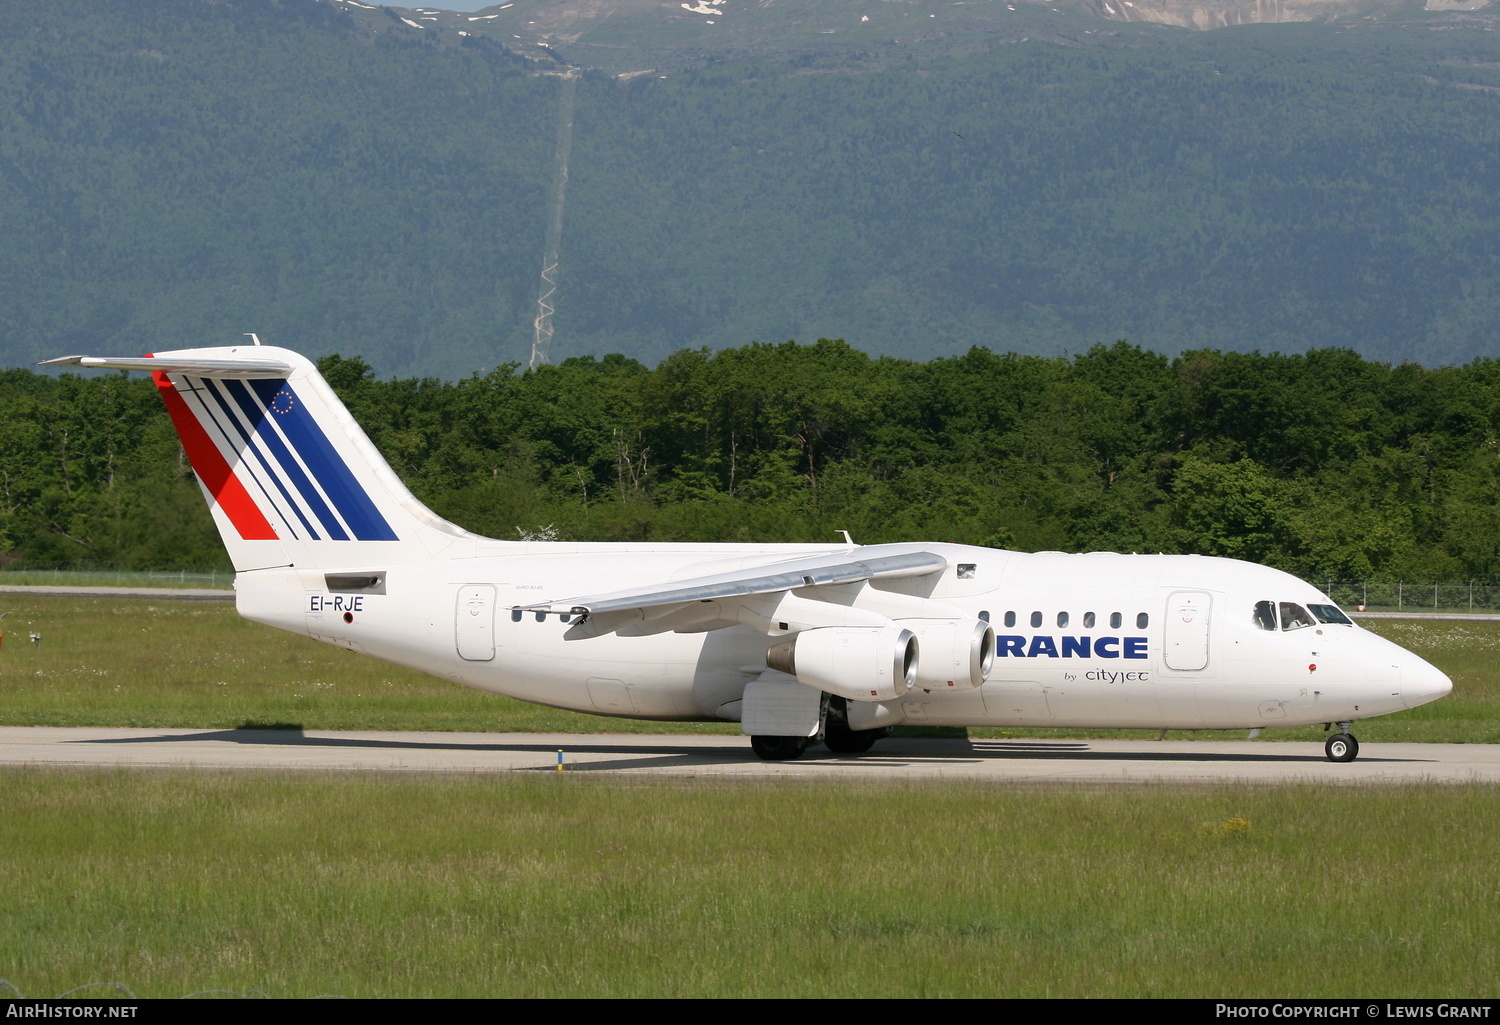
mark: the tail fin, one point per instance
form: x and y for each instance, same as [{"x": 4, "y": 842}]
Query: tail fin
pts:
[{"x": 291, "y": 479}]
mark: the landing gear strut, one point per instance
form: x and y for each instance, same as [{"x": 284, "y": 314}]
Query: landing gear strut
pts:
[
  {"x": 841, "y": 740},
  {"x": 1341, "y": 747}
]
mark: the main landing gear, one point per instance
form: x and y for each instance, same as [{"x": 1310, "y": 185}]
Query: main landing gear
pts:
[
  {"x": 835, "y": 734},
  {"x": 1341, "y": 747},
  {"x": 841, "y": 740},
  {"x": 779, "y": 749}
]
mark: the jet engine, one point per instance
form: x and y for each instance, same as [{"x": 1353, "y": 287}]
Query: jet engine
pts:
[
  {"x": 858, "y": 663},
  {"x": 956, "y": 654}
]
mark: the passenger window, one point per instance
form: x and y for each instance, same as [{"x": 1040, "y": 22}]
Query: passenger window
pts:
[
  {"x": 1010, "y": 619},
  {"x": 1265, "y": 615},
  {"x": 541, "y": 617},
  {"x": 1141, "y": 620},
  {"x": 1036, "y": 619},
  {"x": 985, "y": 615},
  {"x": 1115, "y": 619},
  {"x": 1294, "y": 616},
  {"x": 515, "y": 615},
  {"x": 1088, "y": 620},
  {"x": 1062, "y": 619}
]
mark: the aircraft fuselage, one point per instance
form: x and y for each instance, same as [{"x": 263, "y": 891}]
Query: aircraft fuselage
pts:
[{"x": 1097, "y": 640}]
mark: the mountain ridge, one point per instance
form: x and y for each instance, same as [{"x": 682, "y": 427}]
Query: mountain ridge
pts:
[
  {"x": 632, "y": 36},
  {"x": 337, "y": 180}
]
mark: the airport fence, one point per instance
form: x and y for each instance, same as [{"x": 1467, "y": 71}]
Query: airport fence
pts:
[
  {"x": 1414, "y": 596},
  {"x": 1375, "y": 595},
  {"x": 217, "y": 580}
]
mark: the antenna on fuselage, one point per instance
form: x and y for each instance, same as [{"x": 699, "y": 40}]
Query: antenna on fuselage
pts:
[{"x": 253, "y": 337}]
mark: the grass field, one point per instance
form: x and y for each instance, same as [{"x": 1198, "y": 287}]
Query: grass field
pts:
[
  {"x": 553, "y": 885},
  {"x": 138, "y": 662}
]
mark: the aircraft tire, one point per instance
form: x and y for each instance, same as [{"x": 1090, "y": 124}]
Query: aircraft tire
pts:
[
  {"x": 1341, "y": 747},
  {"x": 850, "y": 742},
  {"x": 778, "y": 749}
]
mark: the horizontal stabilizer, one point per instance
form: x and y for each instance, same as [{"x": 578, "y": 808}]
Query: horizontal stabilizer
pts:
[
  {"x": 289, "y": 477},
  {"x": 219, "y": 368}
]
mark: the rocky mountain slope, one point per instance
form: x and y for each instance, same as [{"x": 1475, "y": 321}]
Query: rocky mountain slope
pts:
[{"x": 622, "y": 36}]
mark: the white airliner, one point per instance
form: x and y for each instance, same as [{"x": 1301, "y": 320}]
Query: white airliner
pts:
[{"x": 800, "y": 644}]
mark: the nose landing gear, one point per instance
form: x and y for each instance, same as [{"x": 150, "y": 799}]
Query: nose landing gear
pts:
[{"x": 1341, "y": 747}]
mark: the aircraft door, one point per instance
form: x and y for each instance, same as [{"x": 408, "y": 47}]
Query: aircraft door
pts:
[
  {"x": 474, "y": 622},
  {"x": 1185, "y": 644}
]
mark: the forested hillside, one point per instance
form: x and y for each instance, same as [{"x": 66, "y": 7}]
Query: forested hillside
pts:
[
  {"x": 1323, "y": 463},
  {"x": 180, "y": 172}
]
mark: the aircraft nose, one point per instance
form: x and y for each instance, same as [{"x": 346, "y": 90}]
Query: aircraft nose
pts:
[{"x": 1421, "y": 681}]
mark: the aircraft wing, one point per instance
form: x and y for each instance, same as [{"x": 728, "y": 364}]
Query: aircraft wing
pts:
[
  {"x": 785, "y": 576},
  {"x": 664, "y": 602}
]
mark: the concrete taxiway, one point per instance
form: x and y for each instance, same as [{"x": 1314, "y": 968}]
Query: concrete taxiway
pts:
[{"x": 1000, "y": 761}]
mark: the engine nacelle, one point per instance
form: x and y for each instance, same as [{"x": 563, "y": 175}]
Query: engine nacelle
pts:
[
  {"x": 858, "y": 663},
  {"x": 957, "y": 654}
]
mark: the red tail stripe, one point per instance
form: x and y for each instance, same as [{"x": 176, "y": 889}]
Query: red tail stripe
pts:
[{"x": 212, "y": 469}]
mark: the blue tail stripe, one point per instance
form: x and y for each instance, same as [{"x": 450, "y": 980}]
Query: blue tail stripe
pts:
[
  {"x": 260, "y": 457},
  {"x": 339, "y": 484},
  {"x": 229, "y": 426},
  {"x": 266, "y": 431}
]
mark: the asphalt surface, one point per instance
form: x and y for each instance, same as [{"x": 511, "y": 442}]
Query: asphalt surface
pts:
[{"x": 1001, "y": 761}]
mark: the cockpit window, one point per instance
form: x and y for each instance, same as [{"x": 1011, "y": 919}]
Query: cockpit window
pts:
[
  {"x": 1265, "y": 615},
  {"x": 1330, "y": 614},
  {"x": 1294, "y": 616}
]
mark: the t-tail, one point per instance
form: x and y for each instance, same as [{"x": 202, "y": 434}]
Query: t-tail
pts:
[{"x": 291, "y": 479}]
